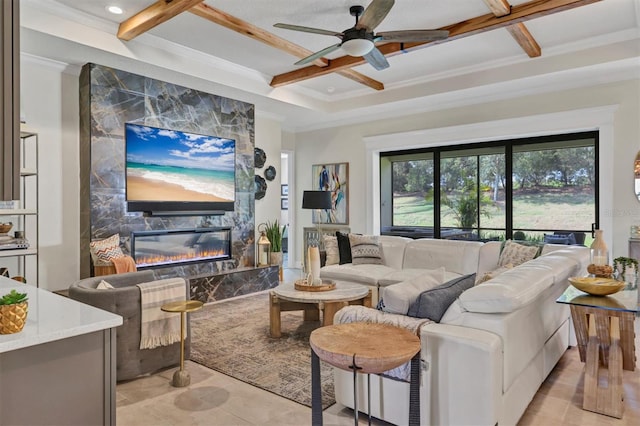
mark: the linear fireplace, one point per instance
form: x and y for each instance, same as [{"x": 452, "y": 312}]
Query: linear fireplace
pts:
[{"x": 162, "y": 247}]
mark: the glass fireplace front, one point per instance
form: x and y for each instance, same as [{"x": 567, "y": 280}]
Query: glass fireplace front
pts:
[{"x": 161, "y": 248}]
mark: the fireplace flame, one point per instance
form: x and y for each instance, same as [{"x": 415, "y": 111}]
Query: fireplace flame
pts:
[{"x": 177, "y": 258}]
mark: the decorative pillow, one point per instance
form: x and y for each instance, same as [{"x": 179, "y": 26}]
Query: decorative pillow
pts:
[
  {"x": 365, "y": 250},
  {"x": 516, "y": 253},
  {"x": 433, "y": 303},
  {"x": 331, "y": 250},
  {"x": 107, "y": 249},
  {"x": 344, "y": 247},
  {"x": 399, "y": 297},
  {"x": 492, "y": 274},
  {"x": 104, "y": 285}
]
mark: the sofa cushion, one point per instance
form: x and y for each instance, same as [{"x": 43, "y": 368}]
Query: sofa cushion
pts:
[
  {"x": 408, "y": 274},
  {"x": 516, "y": 253},
  {"x": 393, "y": 250},
  {"x": 433, "y": 303},
  {"x": 509, "y": 291},
  {"x": 456, "y": 256},
  {"x": 362, "y": 274},
  {"x": 365, "y": 249},
  {"x": 398, "y": 297},
  {"x": 344, "y": 247},
  {"x": 331, "y": 250},
  {"x": 492, "y": 274}
]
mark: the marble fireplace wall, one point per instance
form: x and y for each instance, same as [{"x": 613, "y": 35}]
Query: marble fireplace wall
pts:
[{"x": 109, "y": 98}]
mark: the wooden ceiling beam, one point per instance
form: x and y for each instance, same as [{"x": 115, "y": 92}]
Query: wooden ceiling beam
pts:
[
  {"x": 520, "y": 13},
  {"x": 524, "y": 38},
  {"x": 159, "y": 12},
  {"x": 518, "y": 31},
  {"x": 245, "y": 28},
  {"x": 498, "y": 7}
]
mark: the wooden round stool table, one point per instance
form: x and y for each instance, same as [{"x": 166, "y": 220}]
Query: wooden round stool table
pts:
[
  {"x": 181, "y": 377},
  {"x": 364, "y": 348}
]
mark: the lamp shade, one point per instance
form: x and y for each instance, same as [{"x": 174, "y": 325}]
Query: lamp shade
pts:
[{"x": 316, "y": 200}]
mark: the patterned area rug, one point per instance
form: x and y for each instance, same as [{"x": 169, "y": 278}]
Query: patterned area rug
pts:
[{"x": 232, "y": 337}]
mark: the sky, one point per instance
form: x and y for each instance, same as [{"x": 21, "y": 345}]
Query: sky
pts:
[{"x": 151, "y": 145}]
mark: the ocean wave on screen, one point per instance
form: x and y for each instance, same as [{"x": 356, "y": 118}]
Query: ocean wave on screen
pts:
[{"x": 200, "y": 184}]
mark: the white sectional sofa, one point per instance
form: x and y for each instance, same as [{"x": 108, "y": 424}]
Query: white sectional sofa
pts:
[{"x": 496, "y": 343}]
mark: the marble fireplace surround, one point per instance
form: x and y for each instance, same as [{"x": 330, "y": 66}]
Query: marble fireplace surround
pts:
[{"x": 109, "y": 98}]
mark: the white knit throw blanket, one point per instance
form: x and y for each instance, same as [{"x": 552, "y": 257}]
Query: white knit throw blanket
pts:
[{"x": 160, "y": 328}]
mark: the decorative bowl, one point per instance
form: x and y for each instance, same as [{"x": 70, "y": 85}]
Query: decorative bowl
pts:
[
  {"x": 5, "y": 227},
  {"x": 597, "y": 286}
]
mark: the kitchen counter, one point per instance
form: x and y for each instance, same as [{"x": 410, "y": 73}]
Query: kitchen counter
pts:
[
  {"x": 61, "y": 368},
  {"x": 53, "y": 317}
]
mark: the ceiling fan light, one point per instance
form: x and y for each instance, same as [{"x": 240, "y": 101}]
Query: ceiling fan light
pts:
[{"x": 357, "y": 46}]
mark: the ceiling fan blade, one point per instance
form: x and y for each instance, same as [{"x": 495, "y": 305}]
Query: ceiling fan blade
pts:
[
  {"x": 308, "y": 29},
  {"x": 318, "y": 54},
  {"x": 374, "y": 14},
  {"x": 376, "y": 59},
  {"x": 412, "y": 35}
]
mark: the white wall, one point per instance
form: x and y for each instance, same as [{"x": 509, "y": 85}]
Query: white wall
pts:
[
  {"x": 347, "y": 144},
  {"x": 268, "y": 137},
  {"x": 50, "y": 104}
]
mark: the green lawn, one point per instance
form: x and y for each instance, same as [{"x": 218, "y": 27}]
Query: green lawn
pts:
[{"x": 541, "y": 210}]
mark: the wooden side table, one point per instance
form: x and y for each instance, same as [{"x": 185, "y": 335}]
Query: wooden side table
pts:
[
  {"x": 364, "y": 348},
  {"x": 606, "y": 342},
  {"x": 182, "y": 377}
]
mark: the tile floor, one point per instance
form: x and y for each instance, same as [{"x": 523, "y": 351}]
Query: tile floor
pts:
[{"x": 215, "y": 399}]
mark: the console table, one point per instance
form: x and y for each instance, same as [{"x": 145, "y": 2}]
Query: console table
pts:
[{"x": 606, "y": 341}]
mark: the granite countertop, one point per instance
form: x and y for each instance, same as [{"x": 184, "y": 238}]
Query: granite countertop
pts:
[{"x": 53, "y": 317}]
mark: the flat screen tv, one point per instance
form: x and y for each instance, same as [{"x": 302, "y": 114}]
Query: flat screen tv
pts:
[{"x": 170, "y": 171}]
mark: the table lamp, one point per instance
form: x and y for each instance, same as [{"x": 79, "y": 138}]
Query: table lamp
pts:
[{"x": 315, "y": 200}]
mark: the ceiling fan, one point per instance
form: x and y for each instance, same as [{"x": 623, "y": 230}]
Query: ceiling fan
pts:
[{"x": 360, "y": 39}]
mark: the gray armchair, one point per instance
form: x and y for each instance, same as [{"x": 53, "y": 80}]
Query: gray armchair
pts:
[{"x": 124, "y": 300}]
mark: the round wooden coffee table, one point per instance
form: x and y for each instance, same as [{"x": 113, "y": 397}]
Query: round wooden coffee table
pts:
[
  {"x": 364, "y": 348},
  {"x": 286, "y": 298}
]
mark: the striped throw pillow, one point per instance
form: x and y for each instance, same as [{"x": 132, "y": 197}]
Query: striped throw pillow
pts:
[
  {"x": 365, "y": 250},
  {"x": 331, "y": 250},
  {"x": 107, "y": 249}
]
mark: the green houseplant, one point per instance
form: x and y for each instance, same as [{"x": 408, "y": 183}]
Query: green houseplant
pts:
[
  {"x": 620, "y": 265},
  {"x": 274, "y": 233},
  {"x": 13, "y": 312}
]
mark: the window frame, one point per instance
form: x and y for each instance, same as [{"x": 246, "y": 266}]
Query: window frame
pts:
[{"x": 508, "y": 146}]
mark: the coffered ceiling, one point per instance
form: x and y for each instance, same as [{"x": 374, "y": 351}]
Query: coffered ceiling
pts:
[{"x": 496, "y": 48}]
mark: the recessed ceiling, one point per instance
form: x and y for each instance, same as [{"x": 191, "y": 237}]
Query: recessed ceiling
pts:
[{"x": 411, "y": 76}]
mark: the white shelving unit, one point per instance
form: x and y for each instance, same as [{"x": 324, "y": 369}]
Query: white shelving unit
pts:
[{"x": 23, "y": 214}]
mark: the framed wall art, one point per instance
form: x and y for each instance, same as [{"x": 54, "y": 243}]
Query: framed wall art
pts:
[{"x": 332, "y": 177}]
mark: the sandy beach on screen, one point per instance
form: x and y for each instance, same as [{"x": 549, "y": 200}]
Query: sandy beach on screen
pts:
[{"x": 141, "y": 189}]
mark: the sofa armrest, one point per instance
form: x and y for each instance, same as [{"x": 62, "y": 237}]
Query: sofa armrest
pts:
[{"x": 462, "y": 367}]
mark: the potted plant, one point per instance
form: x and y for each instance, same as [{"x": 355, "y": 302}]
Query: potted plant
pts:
[
  {"x": 275, "y": 233},
  {"x": 13, "y": 312},
  {"x": 626, "y": 269}
]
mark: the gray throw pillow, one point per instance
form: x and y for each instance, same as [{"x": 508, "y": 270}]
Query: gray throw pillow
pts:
[{"x": 433, "y": 303}]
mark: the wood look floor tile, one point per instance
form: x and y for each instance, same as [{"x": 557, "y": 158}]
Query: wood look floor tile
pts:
[{"x": 214, "y": 399}]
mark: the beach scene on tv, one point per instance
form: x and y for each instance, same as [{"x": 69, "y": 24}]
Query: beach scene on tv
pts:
[{"x": 170, "y": 165}]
